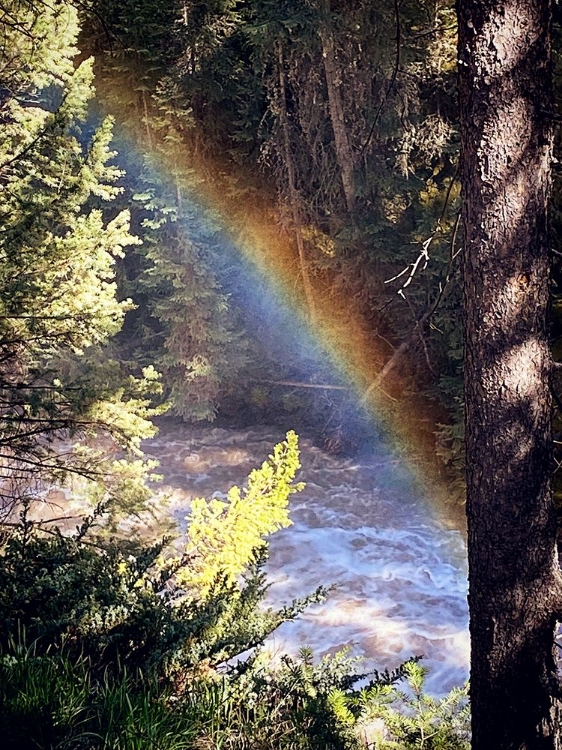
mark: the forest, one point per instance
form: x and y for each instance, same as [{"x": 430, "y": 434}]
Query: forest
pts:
[{"x": 336, "y": 218}]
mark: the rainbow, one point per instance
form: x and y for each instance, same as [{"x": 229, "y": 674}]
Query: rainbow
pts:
[{"x": 362, "y": 360}]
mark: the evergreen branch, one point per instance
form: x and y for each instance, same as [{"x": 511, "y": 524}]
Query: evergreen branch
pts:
[
  {"x": 46, "y": 130},
  {"x": 90, "y": 9},
  {"x": 424, "y": 252},
  {"x": 39, "y": 464},
  {"x": 295, "y": 384},
  {"x": 393, "y": 78},
  {"x": 52, "y": 532},
  {"x": 429, "y": 32},
  {"x": 30, "y": 146},
  {"x": 448, "y": 273},
  {"x": 422, "y": 321},
  {"x": 394, "y": 359},
  {"x": 14, "y": 23}
]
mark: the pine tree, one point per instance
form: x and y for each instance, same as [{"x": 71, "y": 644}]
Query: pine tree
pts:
[
  {"x": 185, "y": 322},
  {"x": 188, "y": 325},
  {"x": 58, "y": 245}
]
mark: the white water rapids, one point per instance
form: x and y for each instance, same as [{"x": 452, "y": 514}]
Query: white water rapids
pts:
[{"x": 360, "y": 524}]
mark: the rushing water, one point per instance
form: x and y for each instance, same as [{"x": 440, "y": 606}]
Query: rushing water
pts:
[{"x": 400, "y": 571}]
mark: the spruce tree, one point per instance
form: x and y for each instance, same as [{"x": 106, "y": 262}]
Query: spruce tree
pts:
[{"x": 58, "y": 245}]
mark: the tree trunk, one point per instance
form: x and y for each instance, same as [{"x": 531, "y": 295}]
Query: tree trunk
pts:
[
  {"x": 146, "y": 121},
  {"x": 514, "y": 588},
  {"x": 344, "y": 153},
  {"x": 292, "y": 185}
]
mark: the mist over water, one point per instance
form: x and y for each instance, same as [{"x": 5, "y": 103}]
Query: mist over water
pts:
[{"x": 361, "y": 524}]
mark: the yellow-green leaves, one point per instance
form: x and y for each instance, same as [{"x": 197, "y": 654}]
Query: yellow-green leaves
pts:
[{"x": 223, "y": 534}]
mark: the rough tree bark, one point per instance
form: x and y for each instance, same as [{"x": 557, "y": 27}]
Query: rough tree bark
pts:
[{"x": 514, "y": 577}]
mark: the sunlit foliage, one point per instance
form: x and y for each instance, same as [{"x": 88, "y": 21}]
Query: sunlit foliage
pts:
[{"x": 224, "y": 535}]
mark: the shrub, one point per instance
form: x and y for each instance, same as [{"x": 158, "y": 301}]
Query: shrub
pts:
[{"x": 118, "y": 646}]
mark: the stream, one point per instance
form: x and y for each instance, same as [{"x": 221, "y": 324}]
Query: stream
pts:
[{"x": 361, "y": 524}]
